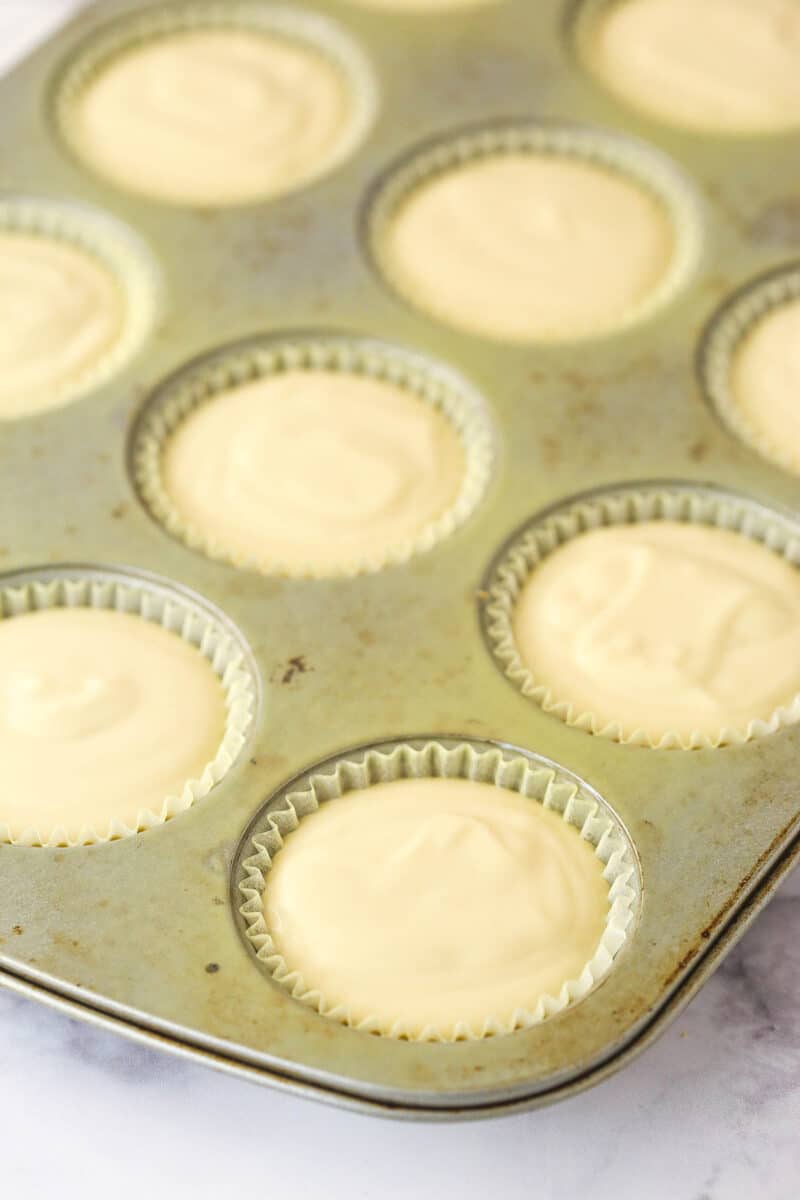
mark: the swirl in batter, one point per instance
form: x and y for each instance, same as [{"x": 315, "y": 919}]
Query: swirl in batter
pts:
[
  {"x": 214, "y": 117},
  {"x": 102, "y": 715},
  {"x": 664, "y": 627},
  {"x": 312, "y": 472},
  {"x": 524, "y": 246},
  {"x": 728, "y": 66},
  {"x": 429, "y": 903}
]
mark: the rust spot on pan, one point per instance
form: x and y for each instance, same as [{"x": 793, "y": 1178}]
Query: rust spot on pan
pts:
[
  {"x": 698, "y": 450},
  {"x": 296, "y": 665}
]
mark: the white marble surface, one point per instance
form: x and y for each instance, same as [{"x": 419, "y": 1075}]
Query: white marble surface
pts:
[{"x": 711, "y": 1112}]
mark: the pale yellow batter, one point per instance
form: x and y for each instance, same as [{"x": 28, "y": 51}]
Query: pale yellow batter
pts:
[
  {"x": 720, "y": 65},
  {"x": 102, "y": 715},
  {"x": 312, "y": 471},
  {"x": 61, "y": 312},
  {"x": 433, "y": 902},
  {"x": 664, "y": 627},
  {"x": 214, "y": 117},
  {"x": 524, "y": 246},
  {"x": 765, "y": 384}
]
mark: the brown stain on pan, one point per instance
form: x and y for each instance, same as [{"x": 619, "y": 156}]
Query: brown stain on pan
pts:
[{"x": 732, "y": 902}]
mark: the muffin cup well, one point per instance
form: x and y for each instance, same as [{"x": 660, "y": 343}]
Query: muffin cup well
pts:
[
  {"x": 179, "y": 612},
  {"x": 626, "y": 504},
  {"x": 633, "y": 160},
  {"x": 114, "y": 246},
  {"x": 305, "y": 28},
  {"x": 538, "y": 779},
  {"x": 259, "y": 358},
  {"x": 723, "y": 336}
]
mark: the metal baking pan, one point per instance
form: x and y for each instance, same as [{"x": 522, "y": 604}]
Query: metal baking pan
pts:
[{"x": 141, "y": 934}]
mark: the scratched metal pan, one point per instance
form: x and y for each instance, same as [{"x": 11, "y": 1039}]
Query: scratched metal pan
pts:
[{"x": 142, "y": 934}]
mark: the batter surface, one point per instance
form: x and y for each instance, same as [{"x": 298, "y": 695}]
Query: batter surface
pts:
[
  {"x": 214, "y": 117},
  {"x": 765, "y": 383},
  {"x": 664, "y": 626},
  {"x": 524, "y": 246},
  {"x": 312, "y": 471},
  {"x": 102, "y": 714},
  {"x": 724, "y": 65},
  {"x": 435, "y": 901},
  {"x": 61, "y": 312}
]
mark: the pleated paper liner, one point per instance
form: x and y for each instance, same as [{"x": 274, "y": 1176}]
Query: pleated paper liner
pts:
[
  {"x": 262, "y": 357},
  {"x": 181, "y": 614},
  {"x": 111, "y": 244},
  {"x": 537, "y": 779},
  {"x": 723, "y": 337},
  {"x": 635, "y": 161},
  {"x": 627, "y": 504},
  {"x": 295, "y": 25}
]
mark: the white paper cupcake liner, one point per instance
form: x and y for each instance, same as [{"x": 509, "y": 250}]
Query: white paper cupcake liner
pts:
[
  {"x": 538, "y": 779},
  {"x": 258, "y": 358},
  {"x": 737, "y": 317},
  {"x": 181, "y": 614},
  {"x": 117, "y": 248},
  {"x": 626, "y": 505},
  {"x": 635, "y": 161},
  {"x": 298, "y": 25}
]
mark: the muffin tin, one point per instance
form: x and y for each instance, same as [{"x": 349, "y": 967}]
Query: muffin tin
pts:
[{"x": 145, "y": 933}]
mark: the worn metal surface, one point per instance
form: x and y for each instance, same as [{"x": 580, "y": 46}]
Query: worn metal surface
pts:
[{"x": 141, "y": 933}]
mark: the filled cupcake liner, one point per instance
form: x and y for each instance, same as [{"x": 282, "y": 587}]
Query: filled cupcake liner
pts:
[
  {"x": 178, "y": 614},
  {"x": 582, "y": 25},
  {"x": 259, "y": 358},
  {"x": 726, "y": 331},
  {"x": 628, "y": 505},
  {"x": 633, "y": 160},
  {"x": 296, "y": 25},
  {"x": 114, "y": 246},
  {"x": 539, "y": 780}
]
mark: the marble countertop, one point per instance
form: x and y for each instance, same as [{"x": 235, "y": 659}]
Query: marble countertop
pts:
[{"x": 711, "y": 1112}]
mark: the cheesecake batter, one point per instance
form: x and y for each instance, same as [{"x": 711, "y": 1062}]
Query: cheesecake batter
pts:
[
  {"x": 102, "y": 715},
  {"x": 765, "y": 384},
  {"x": 433, "y": 902},
  {"x": 524, "y": 246},
  {"x": 61, "y": 312},
  {"x": 729, "y": 66},
  {"x": 312, "y": 472},
  {"x": 663, "y": 627},
  {"x": 214, "y": 117}
]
